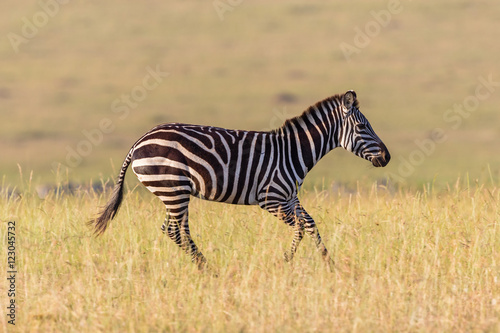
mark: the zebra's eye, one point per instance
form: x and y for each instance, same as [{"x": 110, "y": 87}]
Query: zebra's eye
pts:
[{"x": 361, "y": 126}]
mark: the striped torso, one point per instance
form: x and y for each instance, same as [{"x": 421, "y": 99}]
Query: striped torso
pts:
[{"x": 231, "y": 166}]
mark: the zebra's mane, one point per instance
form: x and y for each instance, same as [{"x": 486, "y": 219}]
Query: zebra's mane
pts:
[{"x": 312, "y": 109}]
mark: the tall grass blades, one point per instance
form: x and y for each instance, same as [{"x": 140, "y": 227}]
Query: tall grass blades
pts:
[{"x": 408, "y": 261}]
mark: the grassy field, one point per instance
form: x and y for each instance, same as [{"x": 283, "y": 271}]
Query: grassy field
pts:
[
  {"x": 416, "y": 244},
  {"x": 423, "y": 261}
]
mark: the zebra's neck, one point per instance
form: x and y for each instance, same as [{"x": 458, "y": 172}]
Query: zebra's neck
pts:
[{"x": 312, "y": 135}]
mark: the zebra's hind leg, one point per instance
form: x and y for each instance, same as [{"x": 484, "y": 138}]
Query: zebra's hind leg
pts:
[{"x": 176, "y": 226}]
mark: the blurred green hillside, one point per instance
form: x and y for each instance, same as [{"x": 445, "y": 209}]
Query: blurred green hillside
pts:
[{"x": 77, "y": 77}]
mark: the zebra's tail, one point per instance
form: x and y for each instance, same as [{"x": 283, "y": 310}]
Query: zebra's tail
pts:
[{"x": 109, "y": 211}]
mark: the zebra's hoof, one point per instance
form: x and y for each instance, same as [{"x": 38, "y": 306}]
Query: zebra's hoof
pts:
[{"x": 331, "y": 265}]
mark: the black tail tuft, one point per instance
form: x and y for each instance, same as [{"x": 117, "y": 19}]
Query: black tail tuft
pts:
[{"x": 108, "y": 213}]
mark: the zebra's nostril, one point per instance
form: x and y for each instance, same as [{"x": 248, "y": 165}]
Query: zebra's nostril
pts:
[
  {"x": 381, "y": 159},
  {"x": 387, "y": 156}
]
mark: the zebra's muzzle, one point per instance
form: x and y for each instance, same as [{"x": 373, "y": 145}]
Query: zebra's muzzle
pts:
[{"x": 382, "y": 159}]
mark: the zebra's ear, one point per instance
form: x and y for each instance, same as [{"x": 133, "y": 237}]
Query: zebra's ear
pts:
[{"x": 349, "y": 99}]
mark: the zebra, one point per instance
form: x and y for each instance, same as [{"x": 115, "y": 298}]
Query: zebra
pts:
[{"x": 267, "y": 168}]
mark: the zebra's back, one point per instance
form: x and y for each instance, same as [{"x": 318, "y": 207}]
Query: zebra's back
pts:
[{"x": 209, "y": 162}]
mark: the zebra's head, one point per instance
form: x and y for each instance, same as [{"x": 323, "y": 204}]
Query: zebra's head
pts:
[{"x": 358, "y": 136}]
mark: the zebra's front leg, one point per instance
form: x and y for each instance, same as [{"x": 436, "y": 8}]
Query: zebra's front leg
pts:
[
  {"x": 299, "y": 234},
  {"x": 177, "y": 230},
  {"x": 311, "y": 229},
  {"x": 285, "y": 212}
]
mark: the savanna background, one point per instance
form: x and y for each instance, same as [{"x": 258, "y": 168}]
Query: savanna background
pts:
[{"x": 416, "y": 244}]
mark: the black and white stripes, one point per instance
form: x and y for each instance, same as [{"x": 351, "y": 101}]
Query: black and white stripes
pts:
[{"x": 177, "y": 161}]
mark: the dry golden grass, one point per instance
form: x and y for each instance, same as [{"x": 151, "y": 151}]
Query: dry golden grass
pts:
[{"x": 421, "y": 261}]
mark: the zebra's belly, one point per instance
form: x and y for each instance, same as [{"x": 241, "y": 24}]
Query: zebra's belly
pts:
[{"x": 227, "y": 195}]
